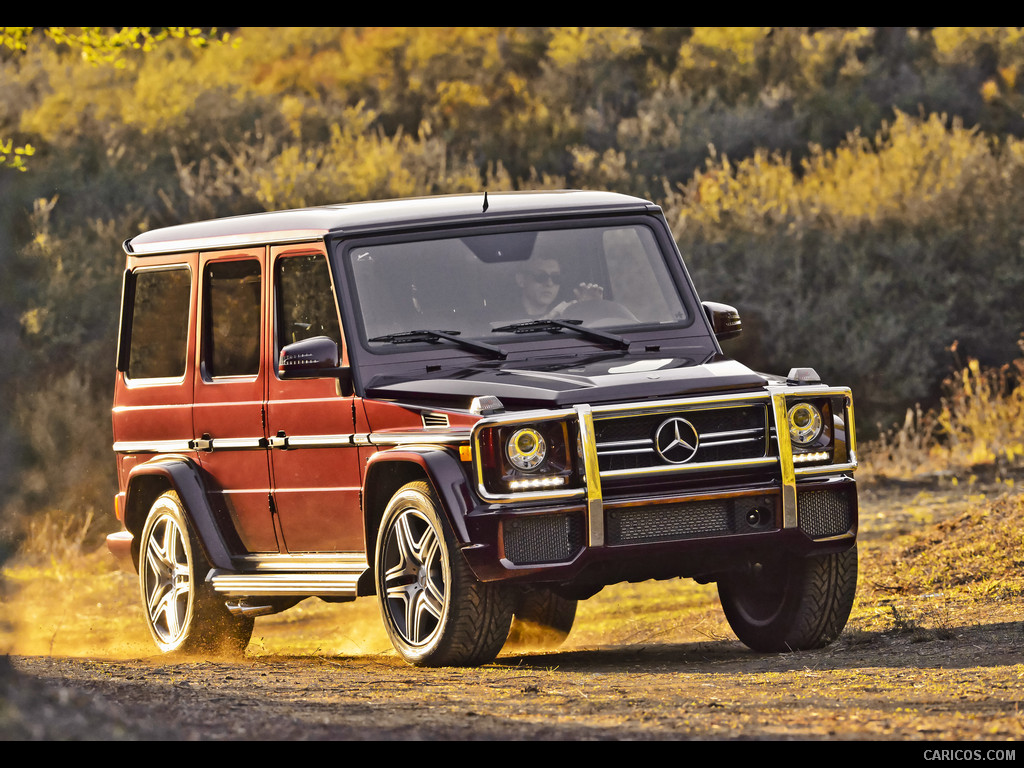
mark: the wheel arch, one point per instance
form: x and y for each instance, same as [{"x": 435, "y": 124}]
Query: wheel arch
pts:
[
  {"x": 151, "y": 479},
  {"x": 387, "y": 471}
]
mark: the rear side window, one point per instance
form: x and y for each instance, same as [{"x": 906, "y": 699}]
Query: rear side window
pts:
[
  {"x": 232, "y": 318},
  {"x": 159, "y": 330}
]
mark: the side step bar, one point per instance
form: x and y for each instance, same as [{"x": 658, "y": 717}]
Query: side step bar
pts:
[
  {"x": 284, "y": 584},
  {"x": 264, "y": 584}
]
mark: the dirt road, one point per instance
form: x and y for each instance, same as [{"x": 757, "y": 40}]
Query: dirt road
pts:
[{"x": 927, "y": 667}]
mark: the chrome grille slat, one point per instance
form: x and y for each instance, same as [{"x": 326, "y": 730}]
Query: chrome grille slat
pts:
[{"x": 730, "y": 434}]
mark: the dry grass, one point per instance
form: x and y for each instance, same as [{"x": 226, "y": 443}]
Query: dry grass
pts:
[{"x": 977, "y": 428}]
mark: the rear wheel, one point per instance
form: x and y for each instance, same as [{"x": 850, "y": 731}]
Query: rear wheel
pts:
[
  {"x": 542, "y": 618},
  {"x": 434, "y": 610},
  {"x": 182, "y": 611},
  {"x": 791, "y": 603}
]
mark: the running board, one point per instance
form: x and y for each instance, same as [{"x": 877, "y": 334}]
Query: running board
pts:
[
  {"x": 284, "y": 584},
  {"x": 335, "y": 575}
]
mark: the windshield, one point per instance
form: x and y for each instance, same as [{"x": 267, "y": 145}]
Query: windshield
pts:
[{"x": 495, "y": 287}]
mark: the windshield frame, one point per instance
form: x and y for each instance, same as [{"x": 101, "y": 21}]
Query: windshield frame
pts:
[{"x": 517, "y": 345}]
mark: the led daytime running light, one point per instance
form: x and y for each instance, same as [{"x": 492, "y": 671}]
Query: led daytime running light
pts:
[
  {"x": 806, "y": 458},
  {"x": 535, "y": 482}
]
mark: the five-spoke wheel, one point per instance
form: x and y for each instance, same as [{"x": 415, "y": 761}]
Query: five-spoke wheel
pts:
[
  {"x": 415, "y": 584},
  {"x": 434, "y": 610},
  {"x": 182, "y": 611}
]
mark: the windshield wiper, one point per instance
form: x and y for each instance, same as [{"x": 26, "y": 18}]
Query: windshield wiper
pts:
[
  {"x": 408, "y": 337},
  {"x": 529, "y": 326}
]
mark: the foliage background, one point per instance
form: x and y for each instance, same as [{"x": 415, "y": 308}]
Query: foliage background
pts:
[{"x": 855, "y": 192}]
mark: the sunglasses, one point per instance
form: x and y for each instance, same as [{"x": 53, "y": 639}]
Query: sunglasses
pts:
[{"x": 542, "y": 277}]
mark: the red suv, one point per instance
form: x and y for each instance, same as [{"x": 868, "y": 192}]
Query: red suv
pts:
[{"x": 480, "y": 409}]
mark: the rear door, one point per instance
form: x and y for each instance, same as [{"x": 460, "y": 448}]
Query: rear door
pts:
[{"x": 230, "y": 392}]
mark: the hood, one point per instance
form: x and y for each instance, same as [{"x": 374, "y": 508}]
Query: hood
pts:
[{"x": 523, "y": 385}]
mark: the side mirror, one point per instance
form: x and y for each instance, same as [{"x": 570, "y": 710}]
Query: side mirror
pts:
[
  {"x": 725, "y": 320},
  {"x": 314, "y": 358}
]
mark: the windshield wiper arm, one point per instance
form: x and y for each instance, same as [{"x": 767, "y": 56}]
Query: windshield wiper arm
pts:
[
  {"x": 408, "y": 337},
  {"x": 529, "y": 326}
]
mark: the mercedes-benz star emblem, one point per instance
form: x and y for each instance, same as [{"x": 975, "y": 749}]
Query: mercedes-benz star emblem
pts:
[{"x": 676, "y": 440}]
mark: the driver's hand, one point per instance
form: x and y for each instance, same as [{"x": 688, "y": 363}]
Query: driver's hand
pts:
[{"x": 588, "y": 292}]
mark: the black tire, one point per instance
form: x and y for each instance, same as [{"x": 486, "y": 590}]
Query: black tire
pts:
[
  {"x": 542, "y": 619},
  {"x": 791, "y": 604},
  {"x": 182, "y": 611},
  {"x": 434, "y": 610}
]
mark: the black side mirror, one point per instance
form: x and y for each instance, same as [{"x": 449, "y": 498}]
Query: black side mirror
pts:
[
  {"x": 725, "y": 320},
  {"x": 314, "y": 358}
]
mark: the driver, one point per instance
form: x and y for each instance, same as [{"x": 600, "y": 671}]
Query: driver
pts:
[{"x": 540, "y": 283}]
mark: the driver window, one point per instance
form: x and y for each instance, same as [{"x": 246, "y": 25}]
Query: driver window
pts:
[{"x": 305, "y": 301}]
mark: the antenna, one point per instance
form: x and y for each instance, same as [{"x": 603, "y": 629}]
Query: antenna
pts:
[{"x": 485, "y": 201}]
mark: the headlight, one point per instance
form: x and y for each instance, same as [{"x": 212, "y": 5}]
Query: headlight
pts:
[
  {"x": 805, "y": 424},
  {"x": 527, "y": 458},
  {"x": 526, "y": 449}
]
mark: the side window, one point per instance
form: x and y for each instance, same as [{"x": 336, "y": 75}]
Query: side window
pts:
[
  {"x": 305, "y": 301},
  {"x": 159, "y": 323},
  {"x": 231, "y": 318}
]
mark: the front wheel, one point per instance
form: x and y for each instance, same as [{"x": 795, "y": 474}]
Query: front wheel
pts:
[
  {"x": 434, "y": 610},
  {"x": 182, "y": 611},
  {"x": 791, "y": 603}
]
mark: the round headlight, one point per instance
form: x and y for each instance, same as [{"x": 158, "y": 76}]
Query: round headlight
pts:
[
  {"x": 526, "y": 449},
  {"x": 805, "y": 423}
]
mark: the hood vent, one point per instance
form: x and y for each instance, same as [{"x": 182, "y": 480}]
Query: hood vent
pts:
[{"x": 435, "y": 420}]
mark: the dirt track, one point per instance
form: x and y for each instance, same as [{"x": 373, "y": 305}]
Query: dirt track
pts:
[
  {"x": 888, "y": 677},
  {"x": 704, "y": 690}
]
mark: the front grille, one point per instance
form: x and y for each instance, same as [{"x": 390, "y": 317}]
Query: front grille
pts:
[
  {"x": 542, "y": 538},
  {"x": 827, "y": 512},
  {"x": 725, "y": 433},
  {"x": 691, "y": 519}
]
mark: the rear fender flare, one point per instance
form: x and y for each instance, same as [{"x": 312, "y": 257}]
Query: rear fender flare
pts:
[{"x": 147, "y": 481}]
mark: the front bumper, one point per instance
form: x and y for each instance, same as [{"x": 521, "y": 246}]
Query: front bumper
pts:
[
  {"x": 696, "y": 536},
  {"x": 657, "y": 520}
]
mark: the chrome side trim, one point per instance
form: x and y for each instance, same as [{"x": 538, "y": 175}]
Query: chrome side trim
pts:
[
  {"x": 433, "y": 437},
  {"x": 257, "y": 443},
  {"x": 157, "y": 446},
  {"x": 318, "y": 441},
  {"x": 237, "y": 444}
]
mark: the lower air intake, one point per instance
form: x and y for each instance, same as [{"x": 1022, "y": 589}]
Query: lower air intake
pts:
[
  {"x": 828, "y": 512},
  {"x": 543, "y": 539}
]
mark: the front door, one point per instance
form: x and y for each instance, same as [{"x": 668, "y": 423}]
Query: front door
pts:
[{"x": 310, "y": 422}]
